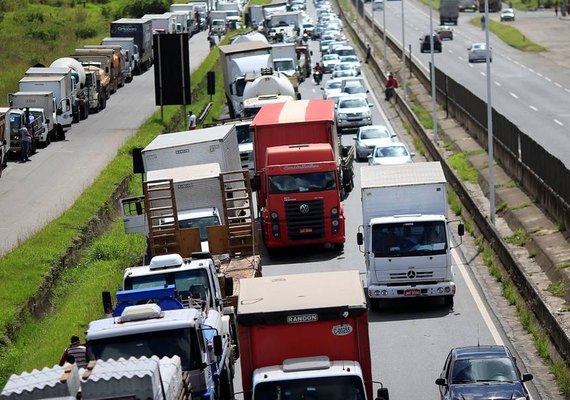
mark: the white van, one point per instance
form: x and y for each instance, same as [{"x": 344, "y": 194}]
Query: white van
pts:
[{"x": 377, "y": 5}]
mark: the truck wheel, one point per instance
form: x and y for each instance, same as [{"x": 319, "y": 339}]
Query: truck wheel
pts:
[
  {"x": 374, "y": 304},
  {"x": 448, "y": 301},
  {"x": 76, "y": 117},
  {"x": 338, "y": 247},
  {"x": 226, "y": 391}
]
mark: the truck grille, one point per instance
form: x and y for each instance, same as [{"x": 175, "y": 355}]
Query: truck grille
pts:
[
  {"x": 305, "y": 219},
  {"x": 419, "y": 275}
]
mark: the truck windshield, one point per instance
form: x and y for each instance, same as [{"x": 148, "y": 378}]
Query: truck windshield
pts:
[
  {"x": 300, "y": 183},
  {"x": 284, "y": 65},
  {"x": 243, "y": 134},
  {"x": 202, "y": 223},
  {"x": 15, "y": 122},
  {"x": 185, "y": 282},
  {"x": 179, "y": 342},
  {"x": 331, "y": 388},
  {"x": 409, "y": 239}
]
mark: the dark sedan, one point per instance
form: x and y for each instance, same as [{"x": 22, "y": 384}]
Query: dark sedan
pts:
[
  {"x": 482, "y": 372},
  {"x": 425, "y": 44}
]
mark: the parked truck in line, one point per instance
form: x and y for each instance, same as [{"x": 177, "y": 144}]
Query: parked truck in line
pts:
[
  {"x": 268, "y": 88},
  {"x": 302, "y": 173},
  {"x": 132, "y": 378},
  {"x": 41, "y": 105},
  {"x": 284, "y": 57},
  {"x": 98, "y": 84},
  {"x": 84, "y": 83},
  {"x": 161, "y": 326},
  {"x": 289, "y": 18},
  {"x": 109, "y": 61},
  {"x": 74, "y": 80},
  {"x": 19, "y": 118},
  {"x": 305, "y": 336},
  {"x": 199, "y": 204},
  {"x": 233, "y": 12},
  {"x": 4, "y": 137},
  {"x": 141, "y": 31},
  {"x": 448, "y": 12},
  {"x": 405, "y": 232},
  {"x": 62, "y": 94},
  {"x": 218, "y": 22},
  {"x": 120, "y": 58},
  {"x": 239, "y": 60},
  {"x": 131, "y": 51},
  {"x": 162, "y": 23}
]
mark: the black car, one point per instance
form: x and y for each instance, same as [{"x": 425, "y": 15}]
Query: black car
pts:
[
  {"x": 425, "y": 45},
  {"x": 482, "y": 372}
]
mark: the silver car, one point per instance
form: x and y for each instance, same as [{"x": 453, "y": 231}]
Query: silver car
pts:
[
  {"x": 368, "y": 137},
  {"x": 390, "y": 154},
  {"x": 352, "y": 112},
  {"x": 478, "y": 52}
]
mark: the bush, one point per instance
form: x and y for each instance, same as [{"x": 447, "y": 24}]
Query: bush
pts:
[
  {"x": 138, "y": 8},
  {"x": 44, "y": 35},
  {"x": 85, "y": 33}
]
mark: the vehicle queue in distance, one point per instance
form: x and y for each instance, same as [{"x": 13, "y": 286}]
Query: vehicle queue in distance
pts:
[{"x": 470, "y": 370}]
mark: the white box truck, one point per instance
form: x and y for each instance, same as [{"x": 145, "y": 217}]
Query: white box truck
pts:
[
  {"x": 162, "y": 23},
  {"x": 41, "y": 105},
  {"x": 405, "y": 232},
  {"x": 217, "y": 144},
  {"x": 61, "y": 92},
  {"x": 130, "y": 49},
  {"x": 199, "y": 200}
]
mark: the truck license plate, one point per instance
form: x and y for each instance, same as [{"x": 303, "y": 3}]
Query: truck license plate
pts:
[
  {"x": 412, "y": 292},
  {"x": 305, "y": 230}
]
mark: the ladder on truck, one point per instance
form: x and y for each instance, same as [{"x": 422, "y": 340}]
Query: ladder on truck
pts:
[
  {"x": 238, "y": 213},
  {"x": 162, "y": 217}
]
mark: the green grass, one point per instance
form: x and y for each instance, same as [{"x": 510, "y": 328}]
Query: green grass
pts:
[
  {"x": 423, "y": 115},
  {"x": 259, "y": 2},
  {"x": 557, "y": 288},
  {"x": 510, "y": 35},
  {"x": 518, "y": 238},
  {"x": 462, "y": 167}
]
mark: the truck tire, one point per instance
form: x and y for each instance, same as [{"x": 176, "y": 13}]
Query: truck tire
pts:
[
  {"x": 374, "y": 304},
  {"x": 226, "y": 385},
  {"x": 448, "y": 301}
]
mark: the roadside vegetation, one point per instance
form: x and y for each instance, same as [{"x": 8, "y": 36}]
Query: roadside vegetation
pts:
[{"x": 510, "y": 35}]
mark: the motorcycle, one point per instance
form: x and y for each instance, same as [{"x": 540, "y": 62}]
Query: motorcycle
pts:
[
  {"x": 305, "y": 37},
  {"x": 318, "y": 77}
]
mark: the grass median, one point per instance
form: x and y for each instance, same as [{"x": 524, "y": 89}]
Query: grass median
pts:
[{"x": 29, "y": 342}]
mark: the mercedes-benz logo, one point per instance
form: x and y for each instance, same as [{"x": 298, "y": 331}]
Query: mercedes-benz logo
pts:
[
  {"x": 411, "y": 274},
  {"x": 304, "y": 208}
]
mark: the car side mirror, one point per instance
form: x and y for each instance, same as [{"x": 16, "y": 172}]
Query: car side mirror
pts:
[
  {"x": 440, "y": 382},
  {"x": 355, "y": 138},
  {"x": 322, "y": 88},
  {"x": 311, "y": 53},
  {"x": 527, "y": 377},
  {"x": 370, "y": 105},
  {"x": 412, "y": 154}
]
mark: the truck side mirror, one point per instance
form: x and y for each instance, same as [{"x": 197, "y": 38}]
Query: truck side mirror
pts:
[
  {"x": 255, "y": 183},
  {"x": 382, "y": 394},
  {"x": 218, "y": 345},
  {"x": 461, "y": 230},
  {"x": 107, "y": 302},
  {"x": 228, "y": 286},
  {"x": 359, "y": 238}
]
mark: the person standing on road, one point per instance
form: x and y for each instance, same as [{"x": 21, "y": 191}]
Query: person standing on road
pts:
[
  {"x": 75, "y": 353},
  {"x": 391, "y": 84},
  {"x": 556, "y": 9},
  {"x": 368, "y": 52},
  {"x": 483, "y": 22},
  {"x": 192, "y": 124},
  {"x": 25, "y": 142}
]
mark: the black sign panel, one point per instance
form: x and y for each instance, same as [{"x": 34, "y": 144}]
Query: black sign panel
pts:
[{"x": 171, "y": 69}]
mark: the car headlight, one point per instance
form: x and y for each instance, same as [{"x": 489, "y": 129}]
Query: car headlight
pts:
[{"x": 342, "y": 115}]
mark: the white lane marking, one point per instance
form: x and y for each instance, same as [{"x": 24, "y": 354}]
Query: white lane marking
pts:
[
  {"x": 483, "y": 73},
  {"x": 566, "y": 89},
  {"x": 533, "y": 108},
  {"x": 557, "y": 84},
  {"x": 514, "y": 95},
  {"x": 548, "y": 79},
  {"x": 531, "y": 70},
  {"x": 558, "y": 122},
  {"x": 498, "y": 83},
  {"x": 478, "y": 300},
  {"x": 539, "y": 74},
  {"x": 516, "y": 62}
]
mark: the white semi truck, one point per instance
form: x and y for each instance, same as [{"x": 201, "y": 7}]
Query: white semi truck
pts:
[
  {"x": 405, "y": 232},
  {"x": 269, "y": 88},
  {"x": 41, "y": 106}
]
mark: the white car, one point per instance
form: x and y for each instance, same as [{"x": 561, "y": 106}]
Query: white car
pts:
[
  {"x": 344, "y": 67},
  {"x": 329, "y": 62},
  {"x": 507, "y": 14},
  {"x": 352, "y": 60},
  {"x": 332, "y": 86},
  {"x": 390, "y": 154},
  {"x": 478, "y": 52},
  {"x": 368, "y": 137},
  {"x": 344, "y": 73},
  {"x": 352, "y": 112}
]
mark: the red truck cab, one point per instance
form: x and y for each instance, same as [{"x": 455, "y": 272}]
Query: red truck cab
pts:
[
  {"x": 296, "y": 157},
  {"x": 305, "y": 336}
]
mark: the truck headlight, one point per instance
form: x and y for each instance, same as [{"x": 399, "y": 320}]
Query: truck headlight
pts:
[
  {"x": 334, "y": 211},
  {"x": 274, "y": 215},
  {"x": 335, "y": 222}
]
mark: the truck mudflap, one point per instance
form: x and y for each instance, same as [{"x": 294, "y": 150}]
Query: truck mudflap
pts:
[{"x": 379, "y": 292}]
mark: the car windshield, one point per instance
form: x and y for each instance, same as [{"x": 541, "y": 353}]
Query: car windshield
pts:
[
  {"x": 329, "y": 388},
  {"x": 345, "y": 52},
  {"x": 483, "y": 370},
  {"x": 300, "y": 183},
  {"x": 390, "y": 151},
  {"x": 350, "y": 59},
  {"x": 375, "y": 134},
  {"x": 409, "y": 238},
  {"x": 341, "y": 73},
  {"x": 333, "y": 85},
  {"x": 354, "y": 89},
  {"x": 353, "y": 103},
  {"x": 328, "y": 57}
]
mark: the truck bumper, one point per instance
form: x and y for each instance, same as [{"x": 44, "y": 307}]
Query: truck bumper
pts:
[{"x": 378, "y": 291}]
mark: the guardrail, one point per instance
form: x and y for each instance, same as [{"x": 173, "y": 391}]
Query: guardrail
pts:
[{"x": 527, "y": 290}]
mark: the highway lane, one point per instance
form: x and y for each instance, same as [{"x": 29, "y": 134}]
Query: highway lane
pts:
[
  {"x": 409, "y": 339},
  {"x": 526, "y": 89},
  {"x": 33, "y": 194}
]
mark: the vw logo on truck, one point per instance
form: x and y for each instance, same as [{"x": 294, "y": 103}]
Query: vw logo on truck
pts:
[{"x": 304, "y": 208}]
